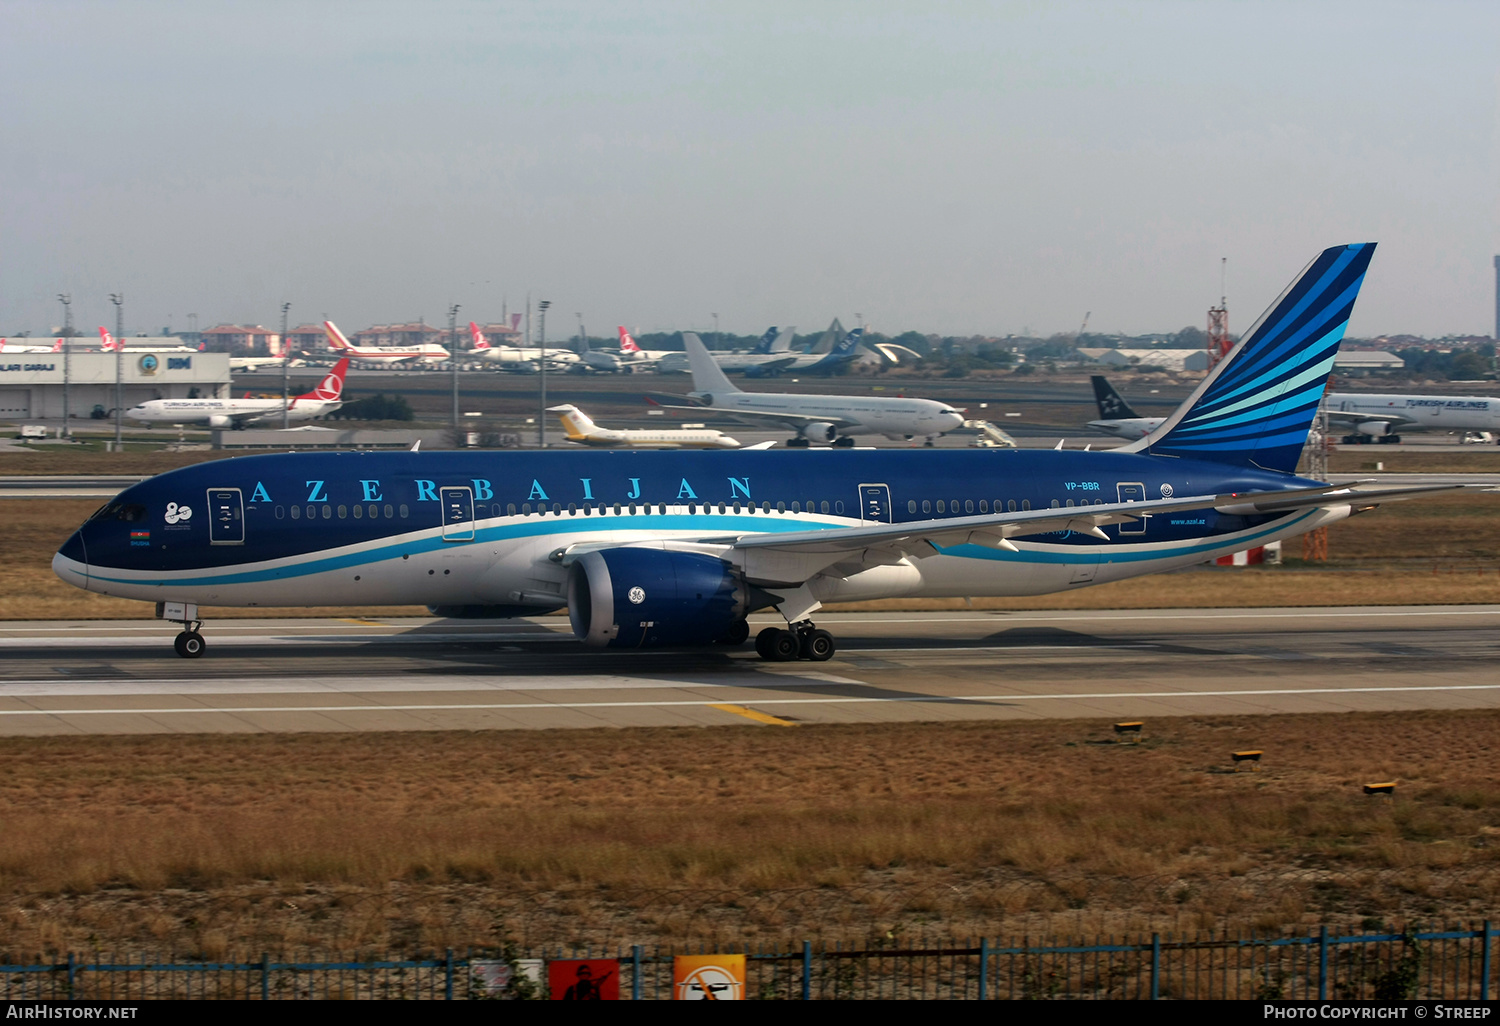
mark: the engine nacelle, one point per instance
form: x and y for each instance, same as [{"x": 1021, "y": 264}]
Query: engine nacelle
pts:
[
  {"x": 642, "y": 598},
  {"x": 220, "y": 422},
  {"x": 818, "y": 431},
  {"x": 1373, "y": 428}
]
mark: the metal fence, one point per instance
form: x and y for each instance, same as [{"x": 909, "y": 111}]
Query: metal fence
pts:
[{"x": 1452, "y": 964}]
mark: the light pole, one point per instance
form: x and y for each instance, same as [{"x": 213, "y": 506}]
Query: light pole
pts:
[
  {"x": 286, "y": 360},
  {"x": 718, "y": 342},
  {"x": 458, "y": 438},
  {"x": 541, "y": 419},
  {"x": 118, "y": 298},
  {"x": 66, "y": 299},
  {"x": 583, "y": 336}
]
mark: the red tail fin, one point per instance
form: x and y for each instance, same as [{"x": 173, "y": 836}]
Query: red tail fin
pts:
[
  {"x": 332, "y": 385},
  {"x": 480, "y": 342},
  {"x": 107, "y": 341},
  {"x": 627, "y": 344},
  {"x": 57, "y": 346}
]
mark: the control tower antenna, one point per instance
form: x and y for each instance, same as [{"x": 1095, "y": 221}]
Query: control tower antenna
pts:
[{"x": 1219, "y": 342}]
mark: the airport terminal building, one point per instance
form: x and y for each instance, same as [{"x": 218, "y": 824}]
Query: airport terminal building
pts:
[{"x": 32, "y": 384}]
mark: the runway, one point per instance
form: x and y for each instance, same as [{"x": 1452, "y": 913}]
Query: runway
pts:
[{"x": 121, "y": 677}]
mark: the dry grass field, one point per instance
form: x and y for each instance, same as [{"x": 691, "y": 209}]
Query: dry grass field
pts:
[{"x": 400, "y": 841}]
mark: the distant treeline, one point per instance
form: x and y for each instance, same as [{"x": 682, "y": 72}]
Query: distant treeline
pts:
[{"x": 375, "y": 407}]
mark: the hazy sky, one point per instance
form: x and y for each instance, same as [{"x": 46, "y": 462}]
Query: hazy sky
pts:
[{"x": 957, "y": 168}]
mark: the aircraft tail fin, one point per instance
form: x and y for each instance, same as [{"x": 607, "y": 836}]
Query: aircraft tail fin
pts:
[
  {"x": 107, "y": 342},
  {"x": 783, "y": 342},
  {"x": 336, "y": 337},
  {"x": 627, "y": 344},
  {"x": 708, "y": 376},
  {"x": 1112, "y": 405},
  {"x": 763, "y": 347},
  {"x": 577, "y": 422},
  {"x": 332, "y": 385},
  {"x": 480, "y": 342},
  {"x": 1256, "y": 406}
]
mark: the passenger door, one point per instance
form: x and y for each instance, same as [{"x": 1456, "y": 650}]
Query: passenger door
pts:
[
  {"x": 226, "y": 517},
  {"x": 1132, "y": 491},
  {"x": 458, "y": 514},
  {"x": 875, "y": 503}
]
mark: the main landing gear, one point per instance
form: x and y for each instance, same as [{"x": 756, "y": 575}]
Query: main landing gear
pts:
[
  {"x": 803, "y": 641},
  {"x": 189, "y": 644}
]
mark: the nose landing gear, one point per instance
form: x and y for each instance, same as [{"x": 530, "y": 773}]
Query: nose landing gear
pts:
[
  {"x": 189, "y": 644},
  {"x": 803, "y": 641}
]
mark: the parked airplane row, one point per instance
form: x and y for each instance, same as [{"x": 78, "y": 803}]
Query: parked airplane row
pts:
[{"x": 676, "y": 548}]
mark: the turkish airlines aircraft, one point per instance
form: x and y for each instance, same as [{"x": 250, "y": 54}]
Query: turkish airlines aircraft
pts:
[
  {"x": 236, "y": 413},
  {"x": 109, "y": 344},
  {"x": 518, "y": 358},
  {"x": 427, "y": 352},
  {"x": 633, "y": 355},
  {"x": 6, "y": 347}
]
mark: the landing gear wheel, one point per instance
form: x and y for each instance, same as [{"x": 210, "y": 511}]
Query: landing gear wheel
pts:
[
  {"x": 189, "y": 644},
  {"x": 797, "y": 443},
  {"x": 843, "y": 442},
  {"x": 736, "y": 635},
  {"x": 776, "y": 645},
  {"x": 817, "y": 645}
]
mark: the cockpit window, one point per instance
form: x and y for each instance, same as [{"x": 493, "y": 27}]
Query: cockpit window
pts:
[{"x": 129, "y": 512}]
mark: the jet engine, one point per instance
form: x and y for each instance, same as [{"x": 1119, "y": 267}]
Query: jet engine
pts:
[
  {"x": 220, "y": 421},
  {"x": 1373, "y": 428},
  {"x": 818, "y": 431},
  {"x": 643, "y": 598}
]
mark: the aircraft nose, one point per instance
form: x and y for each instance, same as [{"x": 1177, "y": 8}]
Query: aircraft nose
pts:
[{"x": 72, "y": 561}]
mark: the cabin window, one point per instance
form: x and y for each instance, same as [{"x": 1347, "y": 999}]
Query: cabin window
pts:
[
  {"x": 343, "y": 512},
  {"x": 984, "y": 506},
  {"x": 1011, "y": 505},
  {"x": 1054, "y": 504},
  {"x": 765, "y": 507},
  {"x": 736, "y": 507},
  {"x": 721, "y": 509},
  {"x": 838, "y": 507},
  {"x": 968, "y": 505},
  {"x": 280, "y": 513},
  {"x": 510, "y": 509},
  {"x": 942, "y": 506},
  {"x": 825, "y": 505},
  {"x": 954, "y": 506},
  {"x": 572, "y": 510},
  {"x": 525, "y": 509},
  {"x": 911, "y": 505},
  {"x": 781, "y": 507},
  {"x": 557, "y": 508},
  {"x": 359, "y": 512},
  {"x": 328, "y": 512},
  {"x": 926, "y": 505},
  {"x": 1025, "y": 503},
  {"x": 296, "y": 512},
  {"x": 796, "y": 507},
  {"x": 1070, "y": 502},
  {"x": 405, "y": 512}
]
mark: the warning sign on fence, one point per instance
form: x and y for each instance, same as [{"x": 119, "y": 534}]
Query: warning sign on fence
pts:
[
  {"x": 584, "y": 979},
  {"x": 708, "y": 978}
]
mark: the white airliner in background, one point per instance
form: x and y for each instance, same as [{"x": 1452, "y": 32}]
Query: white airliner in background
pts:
[
  {"x": 518, "y": 358},
  {"x": 7, "y": 347},
  {"x": 255, "y": 363},
  {"x": 817, "y": 418},
  {"x": 109, "y": 344},
  {"x": 584, "y": 431},
  {"x": 236, "y": 413},
  {"x": 634, "y": 356},
  {"x": 427, "y": 352},
  {"x": 1383, "y": 417}
]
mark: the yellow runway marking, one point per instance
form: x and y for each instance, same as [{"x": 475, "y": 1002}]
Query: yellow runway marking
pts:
[
  {"x": 362, "y": 622},
  {"x": 758, "y": 717}
]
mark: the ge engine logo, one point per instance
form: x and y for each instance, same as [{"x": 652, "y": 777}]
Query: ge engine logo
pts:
[
  {"x": 178, "y": 514},
  {"x": 636, "y": 596},
  {"x": 1166, "y": 491}
]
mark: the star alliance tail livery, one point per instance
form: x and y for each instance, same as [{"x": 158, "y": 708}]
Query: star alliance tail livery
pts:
[{"x": 676, "y": 548}]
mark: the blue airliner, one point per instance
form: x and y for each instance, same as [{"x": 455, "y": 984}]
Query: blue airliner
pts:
[{"x": 676, "y": 548}]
